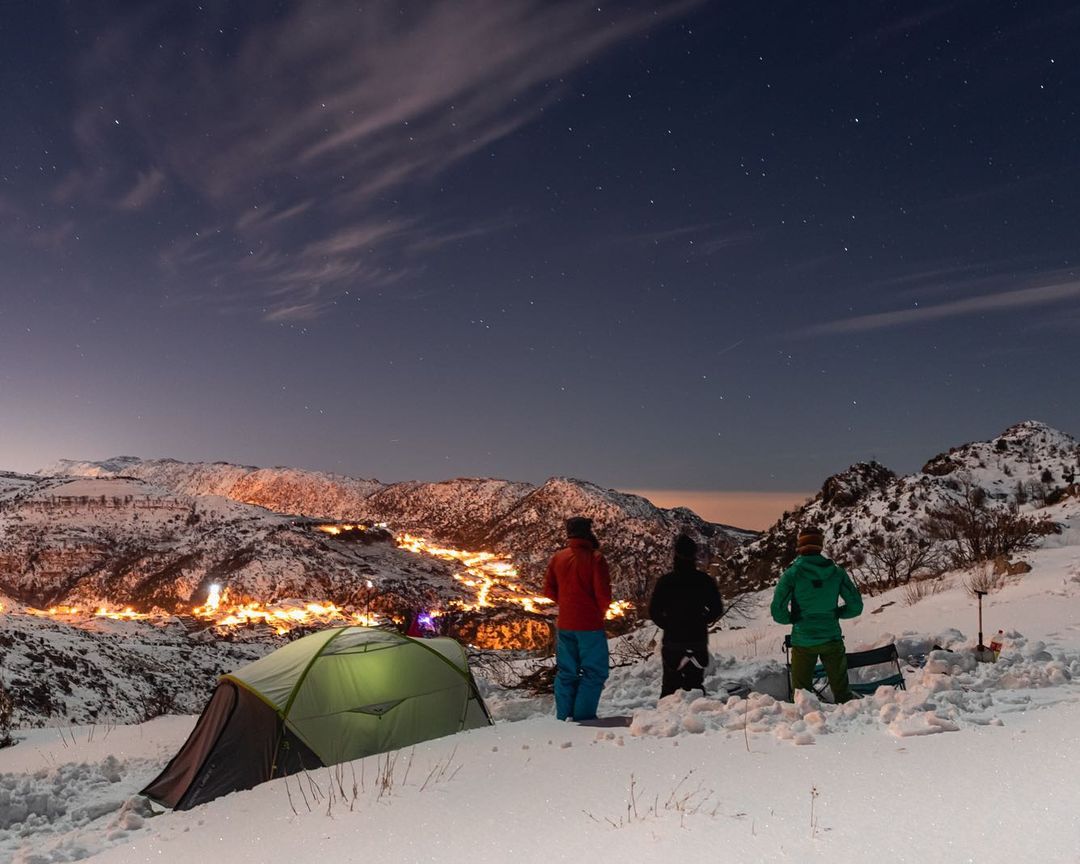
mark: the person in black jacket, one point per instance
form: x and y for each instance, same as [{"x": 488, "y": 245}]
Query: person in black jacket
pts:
[{"x": 684, "y": 603}]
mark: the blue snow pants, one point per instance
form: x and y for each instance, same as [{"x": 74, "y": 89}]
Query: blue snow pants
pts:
[{"x": 581, "y": 657}]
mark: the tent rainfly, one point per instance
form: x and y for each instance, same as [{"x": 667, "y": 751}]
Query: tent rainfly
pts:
[{"x": 329, "y": 697}]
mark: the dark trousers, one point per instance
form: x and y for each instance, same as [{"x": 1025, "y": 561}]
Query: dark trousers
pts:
[
  {"x": 684, "y": 667},
  {"x": 833, "y": 658}
]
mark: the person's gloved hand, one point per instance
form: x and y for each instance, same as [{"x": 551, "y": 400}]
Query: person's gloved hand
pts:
[{"x": 838, "y": 611}]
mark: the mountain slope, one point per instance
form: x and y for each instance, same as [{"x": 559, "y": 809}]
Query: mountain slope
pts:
[
  {"x": 460, "y": 512},
  {"x": 283, "y": 490},
  {"x": 120, "y": 541},
  {"x": 636, "y": 536},
  {"x": 518, "y": 520},
  {"x": 868, "y": 508}
]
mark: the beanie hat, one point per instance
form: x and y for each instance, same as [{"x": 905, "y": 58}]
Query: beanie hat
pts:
[
  {"x": 579, "y": 527},
  {"x": 685, "y": 547},
  {"x": 811, "y": 541}
]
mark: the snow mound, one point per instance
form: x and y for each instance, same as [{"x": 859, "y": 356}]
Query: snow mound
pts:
[
  {"x": 68, "y": 794},
  {"x": 951, "y": 690}
]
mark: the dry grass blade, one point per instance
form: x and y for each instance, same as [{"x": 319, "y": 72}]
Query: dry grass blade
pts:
[{"x": 919, "y": 589}]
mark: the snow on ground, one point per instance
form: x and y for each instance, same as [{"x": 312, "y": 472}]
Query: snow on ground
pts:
[
  {"x": 540, "y": 790},
  {"x": 69, "y": 792},
  {"x": 974, "y": 762}
]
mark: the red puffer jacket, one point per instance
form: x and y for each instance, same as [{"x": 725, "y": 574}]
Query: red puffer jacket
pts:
[{"x": 578, "y": 580}]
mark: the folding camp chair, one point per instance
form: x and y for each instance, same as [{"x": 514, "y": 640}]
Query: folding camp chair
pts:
[{"x": 886, "y": 654}]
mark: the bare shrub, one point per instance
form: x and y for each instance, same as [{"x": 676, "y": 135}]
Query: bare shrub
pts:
[
  {"x": 741, "y": 607},
  {"x": 1038, "y": 492},
  {"x": 540, "y": 681},
  {"x": 983, "y": 579},
  {"x": 158, "y": 702},
  {"x": 920, "y": 589},
  {"x": 505, "y": 669},
  {"x": 634, "y": 647},
  {"x": 7, "y": 713},
  {"x": 752, "y": 638},
  {"x": 975, "y": 530},
  {"x": 897, "y": 560}
]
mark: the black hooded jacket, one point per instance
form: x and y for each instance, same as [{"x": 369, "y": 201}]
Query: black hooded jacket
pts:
[{"x": 684, "y": 603}]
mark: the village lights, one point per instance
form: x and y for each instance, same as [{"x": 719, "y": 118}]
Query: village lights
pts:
[{"x": 493, "y": 581}]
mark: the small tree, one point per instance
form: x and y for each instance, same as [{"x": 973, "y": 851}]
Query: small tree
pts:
[{"x": 896, "y": 560}]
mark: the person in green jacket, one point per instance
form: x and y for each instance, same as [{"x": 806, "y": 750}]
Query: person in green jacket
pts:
[{"x": 807, "y": 597}]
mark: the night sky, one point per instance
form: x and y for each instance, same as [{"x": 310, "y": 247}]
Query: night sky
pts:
[{"x": 686, "y": 245}]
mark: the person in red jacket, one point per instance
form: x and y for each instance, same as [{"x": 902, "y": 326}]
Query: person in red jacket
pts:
[{"x": 578, "y": 580}]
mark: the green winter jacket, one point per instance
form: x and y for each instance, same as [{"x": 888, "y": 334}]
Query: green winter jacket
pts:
[{"x": 806, "y": 597}]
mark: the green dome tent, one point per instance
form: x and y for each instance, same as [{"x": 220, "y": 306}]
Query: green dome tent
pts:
[{"x": 329, "y": 697}]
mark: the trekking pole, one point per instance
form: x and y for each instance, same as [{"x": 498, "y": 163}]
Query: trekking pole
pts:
[{"x": 980, "y": 646}]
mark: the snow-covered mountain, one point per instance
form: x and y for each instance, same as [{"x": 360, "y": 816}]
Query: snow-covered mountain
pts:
[
  {"x": 460, "y": 512},
  {"x": 121, "y": 540},
  {"x": 158, "y": 533},
  {"x": 635, "y": 534},
  {"x": 868, "y": 512},
  {"x": 283, "y": 490},
  {"x": 979, "y": 753},
  {"x": 519, "y": 520}
]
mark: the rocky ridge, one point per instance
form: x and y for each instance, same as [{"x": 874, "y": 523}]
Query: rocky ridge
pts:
[{"x": 868, "y": 506}]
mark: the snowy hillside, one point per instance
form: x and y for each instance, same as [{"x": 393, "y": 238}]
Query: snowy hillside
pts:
[
  {"x": 110, "y": 671},
  {"x": 636, "y": 535},
  {"x": 119, "y": 541},
  {"x": 973, "y": 762},
  {"x": 283, "y": 490},
  {"x": 456, "y": 511},
  {"x": 12, "y": 485},
  {"x": 874, "y": 519},
  {"x": 518, "y": 520}
]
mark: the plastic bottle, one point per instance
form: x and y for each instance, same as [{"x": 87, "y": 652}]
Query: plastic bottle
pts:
[{"x": 998, "y": 642}]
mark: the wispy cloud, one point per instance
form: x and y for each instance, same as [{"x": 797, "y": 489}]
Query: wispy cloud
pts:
[
  {"x": 353, "y": 239},
  {"x": 268, "y": 215},
  {"x": 706, "y": 238},
  {"x": 905, "y": 24},
  {"x": 299, "y": 306},
  {"x": 23, "y": 226},
  {"x": 322, "y": 111},
  {"x": 1021, "y": 298},
  {"x": 147, "y": 186}
]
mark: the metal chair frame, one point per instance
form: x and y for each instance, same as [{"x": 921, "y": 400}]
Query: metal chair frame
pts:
[{"x": 855, "y": 660}]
